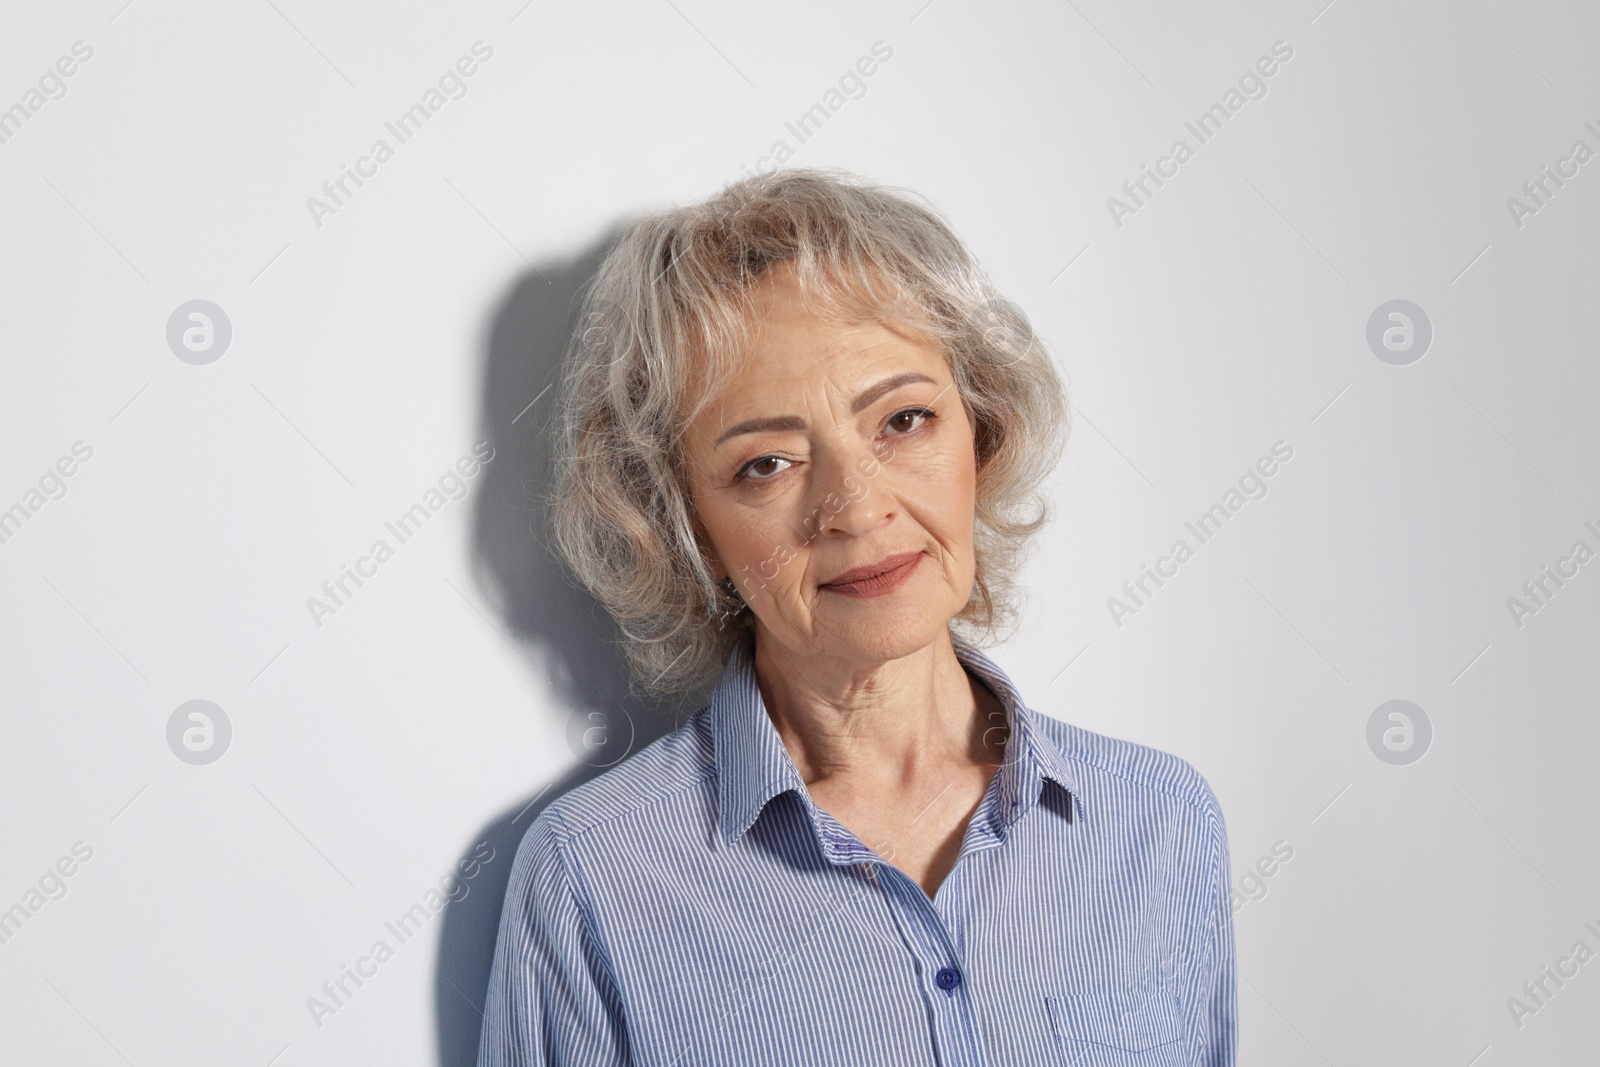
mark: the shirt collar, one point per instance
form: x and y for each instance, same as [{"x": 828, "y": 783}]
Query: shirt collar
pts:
[{"x": 753, "y": 766}]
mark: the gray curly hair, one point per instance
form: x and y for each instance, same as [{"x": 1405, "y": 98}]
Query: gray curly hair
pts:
[{"x": 667, "y": 316}]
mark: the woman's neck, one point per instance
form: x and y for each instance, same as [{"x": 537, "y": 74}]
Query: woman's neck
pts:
[{"x": 888, "y": 723}]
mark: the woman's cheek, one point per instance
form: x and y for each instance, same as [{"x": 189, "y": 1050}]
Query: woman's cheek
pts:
[
  {"x": 762, "y": 545},
  {"x": 938, "y": 479}
]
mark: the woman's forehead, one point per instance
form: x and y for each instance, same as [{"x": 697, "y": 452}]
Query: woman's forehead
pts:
[
  {"x": 808, "y": 359},
  {"x": 796, "y": 340}
]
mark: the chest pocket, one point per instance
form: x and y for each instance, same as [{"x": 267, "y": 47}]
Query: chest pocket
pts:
[{"x": 1136, "y": 1028}]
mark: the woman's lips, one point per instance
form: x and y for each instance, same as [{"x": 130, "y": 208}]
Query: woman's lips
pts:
[{"x": 876, "y": 579}]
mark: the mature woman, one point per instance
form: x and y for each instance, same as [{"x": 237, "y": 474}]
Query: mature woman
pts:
[{"x": 800, "y": 445}]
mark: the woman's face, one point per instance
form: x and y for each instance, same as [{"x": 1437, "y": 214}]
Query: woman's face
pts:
[{"x": 834, "y": 480}]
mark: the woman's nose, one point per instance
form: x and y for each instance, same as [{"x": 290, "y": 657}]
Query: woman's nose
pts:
[{"x": 851, "y": 499}]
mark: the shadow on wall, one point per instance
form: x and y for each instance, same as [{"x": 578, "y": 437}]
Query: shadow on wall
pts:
[{"x": 558, "y": 628}]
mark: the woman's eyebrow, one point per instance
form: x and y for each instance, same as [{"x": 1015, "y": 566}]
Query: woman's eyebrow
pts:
[
  {"x": 863, "y": 400},
  {"x": 771, "y": 422},
  {"x": 866, "y": 398},
  {"x": 873, "y": 394}
]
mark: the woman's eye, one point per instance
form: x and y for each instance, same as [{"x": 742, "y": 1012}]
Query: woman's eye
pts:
[
  {"x": 763, "y": 467},
  {"x": 902, "y": 422}
]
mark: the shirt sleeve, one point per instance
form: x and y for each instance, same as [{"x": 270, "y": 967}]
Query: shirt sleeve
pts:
[
  {"x": 1219, "y": 1003},
  {"x": 552, "y": 998}
]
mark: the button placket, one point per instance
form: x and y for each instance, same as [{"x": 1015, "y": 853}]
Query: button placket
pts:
[{"x": 933, "y": 944}]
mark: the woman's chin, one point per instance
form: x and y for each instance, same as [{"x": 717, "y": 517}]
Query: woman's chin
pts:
[{"x": 892, "y": 632}]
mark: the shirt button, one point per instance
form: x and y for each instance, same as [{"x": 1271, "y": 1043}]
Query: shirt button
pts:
[{"x": 947, "y": 978}]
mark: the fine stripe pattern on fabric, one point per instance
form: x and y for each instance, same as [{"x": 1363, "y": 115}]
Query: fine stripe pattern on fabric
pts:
[{"x": 693, "y": 905}]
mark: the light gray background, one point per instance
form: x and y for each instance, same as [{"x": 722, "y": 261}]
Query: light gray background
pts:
[{"x": 462, "y": 683}]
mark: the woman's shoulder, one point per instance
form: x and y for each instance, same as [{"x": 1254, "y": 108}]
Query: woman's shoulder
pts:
[
  {"x": 1115, "y": 762},
  {"x": 661, "y": 785}
]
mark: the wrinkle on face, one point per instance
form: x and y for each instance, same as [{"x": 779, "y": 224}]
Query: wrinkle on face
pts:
[{"x": 850, "y": 486}]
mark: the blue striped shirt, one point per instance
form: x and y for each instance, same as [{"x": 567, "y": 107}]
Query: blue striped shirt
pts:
[{"x": 693, "y": 905}]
